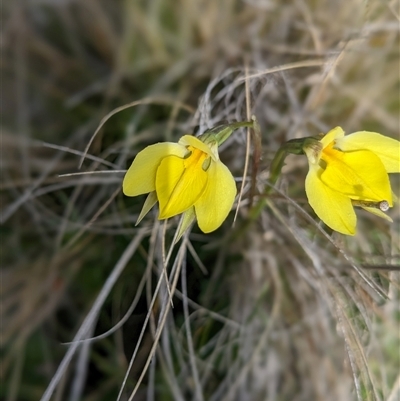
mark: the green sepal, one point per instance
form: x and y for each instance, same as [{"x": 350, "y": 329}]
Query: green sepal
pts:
[
  {"x": 220, "y": 133},
  {"x": 186, "y": 221},
  {"x": 297, "y": 146},
  {"x": 150, "y": 201}
]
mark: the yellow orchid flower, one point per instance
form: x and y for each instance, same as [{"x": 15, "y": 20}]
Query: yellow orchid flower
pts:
[
  {"x": 347, "y": 171},
  {"x": 185, "y": 177}
]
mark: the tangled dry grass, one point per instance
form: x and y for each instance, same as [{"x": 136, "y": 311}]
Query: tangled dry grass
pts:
[{"x": 284, "y": 311}]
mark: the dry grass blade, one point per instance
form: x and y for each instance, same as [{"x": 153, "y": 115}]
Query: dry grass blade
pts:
[
  {"x": 248, "y": 147},
  {"x": 90, "y": 319},
  {"x": 155, "y": 100},
  {"x": 163, "y": 315}
]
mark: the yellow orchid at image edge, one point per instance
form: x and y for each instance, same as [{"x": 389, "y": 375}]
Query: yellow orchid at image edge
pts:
[
  {"x": 347, "y": 171},
  {"x": 185, "y": 177}
]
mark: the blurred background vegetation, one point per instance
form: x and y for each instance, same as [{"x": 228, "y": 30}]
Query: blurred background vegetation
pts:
[{"x": 282, "y": 313}]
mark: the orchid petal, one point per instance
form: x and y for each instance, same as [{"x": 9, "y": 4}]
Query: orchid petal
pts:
[
  {"x": 141, "y": 175},
  {"x": 387, "y": 149},
  {"x": 332, "y": 207},
  {"x": 190, "y": 140},
  {"x": 333, "y": 135},
  {"x": 214, "y": 205},
  {"x": 178, "y": 186},
  {"x": 360, "y": 175}
]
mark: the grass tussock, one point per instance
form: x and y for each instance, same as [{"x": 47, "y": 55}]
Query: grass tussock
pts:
[{"x": 97, "y": 309}]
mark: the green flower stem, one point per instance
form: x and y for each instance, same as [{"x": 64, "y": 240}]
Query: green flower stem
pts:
[{"x": 294, "y": 146}]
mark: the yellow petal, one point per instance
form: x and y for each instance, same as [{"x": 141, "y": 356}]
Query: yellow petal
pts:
[
  {"x": 332, "y": 135},
  {"x": 359, "y": 174},
  {"x": 190, "y": 140},
  {"x": 387, "y": 149},
  {"x": 141, "y": 175},
  {"x": 216, "y": 202},
  {"x": 179, "y": 183},
  {"x": 332, "y": 207}
]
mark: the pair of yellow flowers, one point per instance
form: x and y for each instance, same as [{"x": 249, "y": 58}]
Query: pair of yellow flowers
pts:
[{"x": 344, "y": 171}]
